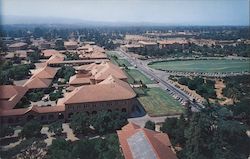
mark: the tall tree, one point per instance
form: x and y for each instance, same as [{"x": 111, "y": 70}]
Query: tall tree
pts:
[{"x": 150, "y": 125}]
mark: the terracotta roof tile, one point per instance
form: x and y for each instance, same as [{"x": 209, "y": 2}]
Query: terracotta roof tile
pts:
[
  {"x": 159, "y": 142},
  {"x": 104, "y": 91},
  {"x": 19, "y": 44},
  {"x": 36, "y": 82},
  {"x": 55, "y": 59},
  {"x": 45, "y": 72},
  {"x": 10, "y": 95},
  {"x": 105, "y": 69},
  {"x": 22, "y": 111},
  {"x": 50, "y": 52}
]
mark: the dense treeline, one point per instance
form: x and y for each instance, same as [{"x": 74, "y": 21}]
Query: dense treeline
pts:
[
  {"x": 10, "y": 72},
  {"x": 191, "y": 49},
  {"x": 211, "y": 133},
  {"x": 203, "y": 87},
  {"x": 96, "y": 148},
  {"x": 238, "y": 88}
]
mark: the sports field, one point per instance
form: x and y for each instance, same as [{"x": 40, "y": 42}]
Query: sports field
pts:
[
  {"x": 210, "y": 66},
  {"x": 157, "y": 102}
]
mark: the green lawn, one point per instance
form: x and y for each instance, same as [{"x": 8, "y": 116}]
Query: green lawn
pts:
[
  {"x": 112, "y": 53},
  {"x": 119, "y": 61},
  {"x": 158, "y": 103},
  {"x": 122, "y": 62},
  {"x": 135, "y": 75},
  {"x": 223, "y": 65}
]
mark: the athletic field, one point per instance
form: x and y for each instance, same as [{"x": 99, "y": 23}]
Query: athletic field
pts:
[{"x": 204, "y": 65}]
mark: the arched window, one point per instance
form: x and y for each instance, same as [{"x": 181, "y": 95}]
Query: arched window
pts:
[
  {"x": 17, "y": 119},
  {"x": 43, "y": 117},
  {"x": 124, "y": 110},
  {"x": 87, "y": 112},
  {"x": 51, "y": 116},
  {"x": 69, "y": 115},
  {"x": 60, "y": 116},
  {"x": 30, "y": 117},
  {"x": 94, "y": 112},
  {"x": 10, "y": 120}
]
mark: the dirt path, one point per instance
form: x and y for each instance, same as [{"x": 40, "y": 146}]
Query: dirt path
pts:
[
  {"x": 192, "y": 93},
  {"x": 219, "y": 85}
]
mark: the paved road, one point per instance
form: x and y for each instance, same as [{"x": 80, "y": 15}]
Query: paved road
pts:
[{"x": 161, "y": 78}]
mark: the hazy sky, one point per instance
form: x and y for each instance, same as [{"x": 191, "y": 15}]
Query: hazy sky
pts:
[{"x": 187, "y": 12}]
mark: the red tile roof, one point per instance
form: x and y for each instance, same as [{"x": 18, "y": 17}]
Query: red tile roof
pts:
[
  {"x": 57, "y": 58},
  {"x": 36, "y": 82},
  {"x": 41, "y": 78},
  {"x": 37, "y": 109},
  {"x": 19, "y": 44},
  {"x": 159, "y": 142},
  {"x": 50, "y": 52},
  {"x": 105, "y": 69},
  {"x": 10, "y": 95},
  {"x": 108, "y": 90},
  {"x": 45, "y": 72}
]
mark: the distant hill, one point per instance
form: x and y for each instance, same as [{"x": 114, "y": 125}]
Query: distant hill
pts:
[{"x": 10, "y": 19}]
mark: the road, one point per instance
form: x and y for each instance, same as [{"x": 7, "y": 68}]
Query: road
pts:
[{"x": 161, "y": 78}]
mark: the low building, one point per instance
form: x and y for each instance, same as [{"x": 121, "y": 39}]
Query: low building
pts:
[
  {"x": 18, "y": 46},
  {"x": 169, "y": 42},
  {"x": 132, "y": 48},
  {"x": 22, "y": 115},
  {"x": 95, "y": 73},
  {"x": 55, "y": 60},
  {"x": 41, "y": 78},
  {"x": 148, "y": 44},
  {"x": 50, "y": 52},
  {"x": 20, "y": 53},
  {"x": 110, "y": 94},
  {"x": 70, "y": 45},
  {"x": 45, "y": 45},
  {"x": 91, "y": 52},
  {"x": 137, "y": 143},
  {"x": 10, "y": 95}
]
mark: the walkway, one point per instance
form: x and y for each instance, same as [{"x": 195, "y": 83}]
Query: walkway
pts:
[{"x": 142, "y": 120}]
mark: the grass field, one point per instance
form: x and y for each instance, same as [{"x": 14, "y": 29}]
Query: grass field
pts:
[
  {"x": 135, "y": 75},
  {"x": 204, "y": 65},
  {"x": 119, "y": 61},
  {"x": 123, "y": 62},
  {"x": 158, "y": 103},
  {"x": 112, "y": 53}
]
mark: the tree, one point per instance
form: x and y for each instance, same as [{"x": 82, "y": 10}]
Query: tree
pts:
[
  {"x": 150, "y": 125},
  {"x": 31, "y": 129},
  {"x": 23, "y": 103},
  {"x": 60, "y": 148},
  {"x": 35, "y": 95},
  {"x": 213, "y": 134},
  {"x": 175, "y": 127},
  {"x": 34, "y": 56},
  {"x": 65, "y": 72},
  {"x": 108, "y": 148},
  {"x": 105, "y": 121},
  {"x": 55, "y": 95},
  {"x": 85, "y": 149},
  {"x": 16, "y": 59},
  {"x": 56, "y": 127},
  {"x": 6, "y": 131},
  {"x": 80, "y": 123}
]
